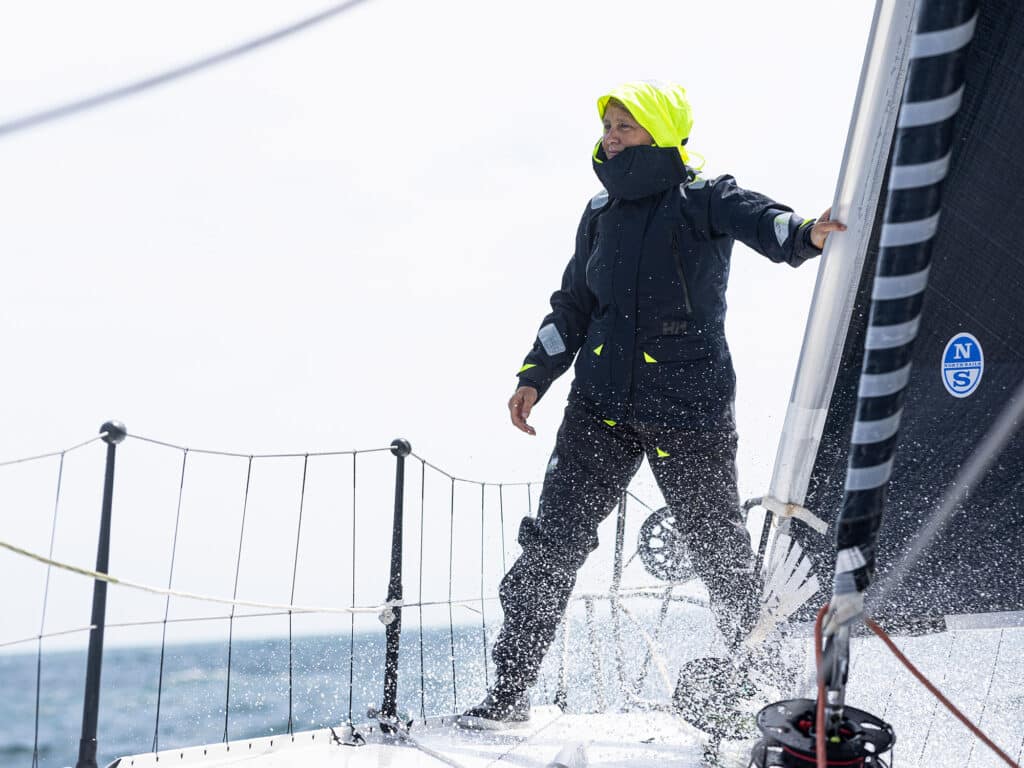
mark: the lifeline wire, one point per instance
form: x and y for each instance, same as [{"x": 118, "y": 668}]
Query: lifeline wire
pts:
[
  {"x": 483, "y": 615},
  {"x": 352, "y": 617},
  {"x": 291, "y": 598},
  {"x": 234, "y": 596},
  {"x": 451, "y": 620},
  {"x": 70, "y": 108},
  {"x": 167, "y": 604},
  {"x": 11, "y": 462},
  {"x": 423, "y": 503},
  {"x": 42, "y": 620}
]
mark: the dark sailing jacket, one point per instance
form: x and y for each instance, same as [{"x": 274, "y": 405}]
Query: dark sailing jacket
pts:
[{"x": 643, "y": 298}]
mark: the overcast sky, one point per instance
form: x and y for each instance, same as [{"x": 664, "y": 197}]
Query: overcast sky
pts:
[{"x": 352, "y": 235}]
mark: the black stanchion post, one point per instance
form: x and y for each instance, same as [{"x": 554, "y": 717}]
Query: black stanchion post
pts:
[
  {"x": 113, "y": 433},
  {"x": 393, "y": 622}
]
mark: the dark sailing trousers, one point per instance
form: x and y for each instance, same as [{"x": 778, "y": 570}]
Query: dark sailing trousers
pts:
[{"x": 589, "y": 470}]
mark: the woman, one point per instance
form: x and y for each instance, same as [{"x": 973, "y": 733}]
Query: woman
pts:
[{"x": 641, "y": 309}]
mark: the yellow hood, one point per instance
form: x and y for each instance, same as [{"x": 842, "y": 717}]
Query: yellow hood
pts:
[{"x": 661, "y": 108}]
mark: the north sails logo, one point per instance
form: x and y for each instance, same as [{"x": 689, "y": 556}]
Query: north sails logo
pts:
[{"x": 963, "y": 363}]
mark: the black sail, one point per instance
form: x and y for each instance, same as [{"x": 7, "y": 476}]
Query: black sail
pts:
[{"x": 976, "y": 287}]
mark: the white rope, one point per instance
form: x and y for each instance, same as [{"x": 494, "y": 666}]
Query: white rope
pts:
[{"x": 375, "y": 609}]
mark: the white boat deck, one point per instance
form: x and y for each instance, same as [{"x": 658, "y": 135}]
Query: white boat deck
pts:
[
  {"x": 982, "y": 671},
  {"x": 552, "y": 737}
]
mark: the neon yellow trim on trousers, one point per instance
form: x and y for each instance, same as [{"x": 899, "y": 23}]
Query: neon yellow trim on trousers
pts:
[
  {"x": 649, "y": 359},
  {"x": 662, "y": 454},
  {"x": 610, "y": 422},
  {"x": 598, "y": 348}
]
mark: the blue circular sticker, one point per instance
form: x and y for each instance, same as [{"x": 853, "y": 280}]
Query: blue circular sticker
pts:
[{"x": 963, "y": 362}]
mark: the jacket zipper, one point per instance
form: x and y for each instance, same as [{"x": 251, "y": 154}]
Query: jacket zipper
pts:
[{"x": 678, "y": 259}]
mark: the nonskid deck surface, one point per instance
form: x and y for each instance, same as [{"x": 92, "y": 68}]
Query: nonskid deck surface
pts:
[
  {"x": 981, "y": 670},
  {"x": 611, "y": 740}
]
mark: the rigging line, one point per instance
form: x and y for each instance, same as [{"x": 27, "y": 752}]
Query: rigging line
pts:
[
  {"x": 167, "y": 604},
  {"x": 136, "y": 87},
  {"x": 352, "y": 617},
  {"x": 283, "y": 608},
  {"x": 483, "y": 616},
  {"x": 1005, "y": 426},
  {"x": 291, "y": 597},
  {"x": 42, "y": 619},
  {"x": 471, "y": 481},
  {"x": 36, "y": 638},
  {"x": 451, "y": 619},
  {"x": 501, "y": 520},
  {"x": 423, "y": 501},
  {"x": 642, "y": 503},
  {"x": 211, "y": 452},
  {"x": 51, "y": 454},
  {"x": 234, "y": 595},
  {"x": 938, "y": 694},
  {"x": 141, "y": 623}
]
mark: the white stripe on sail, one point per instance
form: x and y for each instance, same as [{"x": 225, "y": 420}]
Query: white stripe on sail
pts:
[
  {"x": 889, "y": 336},
  {"x": 917, "y": 113},
  {"x": 868, "y": 478},
  {"x": 882, "y": 384},
  {"x": 867, "y": 432},
  {"x": 919, "y": 174},
  {"x": 943, "y": 41},
  {"x": 899, "y": 286},
  {"x": 895, "y": 234}
]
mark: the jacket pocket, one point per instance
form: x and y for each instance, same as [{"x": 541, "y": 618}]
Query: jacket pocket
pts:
[{"x": 680, "y": 367}]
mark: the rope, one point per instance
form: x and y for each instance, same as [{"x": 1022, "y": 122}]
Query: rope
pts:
[
  {"x": 138, "y": 86},
  {"x": 106, "y": 577},
  {"x": 820, "y": 714},
  {"x": 283, "y": 608}
]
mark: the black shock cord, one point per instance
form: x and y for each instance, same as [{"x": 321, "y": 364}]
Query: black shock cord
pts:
[{"x": 167, "y": 605}]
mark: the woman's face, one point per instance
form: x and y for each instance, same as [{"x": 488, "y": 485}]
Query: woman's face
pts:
[{"x": 621, "y": 131}]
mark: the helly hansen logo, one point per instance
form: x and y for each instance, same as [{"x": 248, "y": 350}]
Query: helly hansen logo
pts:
[{"x": 673, "y": 327}]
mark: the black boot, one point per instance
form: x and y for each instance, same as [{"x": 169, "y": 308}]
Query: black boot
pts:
[{"x": 496, "y": 712}]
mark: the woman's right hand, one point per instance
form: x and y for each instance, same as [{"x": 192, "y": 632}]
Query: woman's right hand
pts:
[{"x": 519, "y": 407}]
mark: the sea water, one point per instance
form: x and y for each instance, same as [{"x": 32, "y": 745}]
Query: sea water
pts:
[{"x": 192, "y": 702}]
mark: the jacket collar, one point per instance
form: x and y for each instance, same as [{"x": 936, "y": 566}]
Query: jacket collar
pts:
[{"x": 638, "y": 172}]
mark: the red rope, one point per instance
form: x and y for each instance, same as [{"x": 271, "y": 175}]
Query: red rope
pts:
[
  {"x": 819, "y": 736},
  {"x": 819, "y": 725},
  {"x": 938, "y": 694}
]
